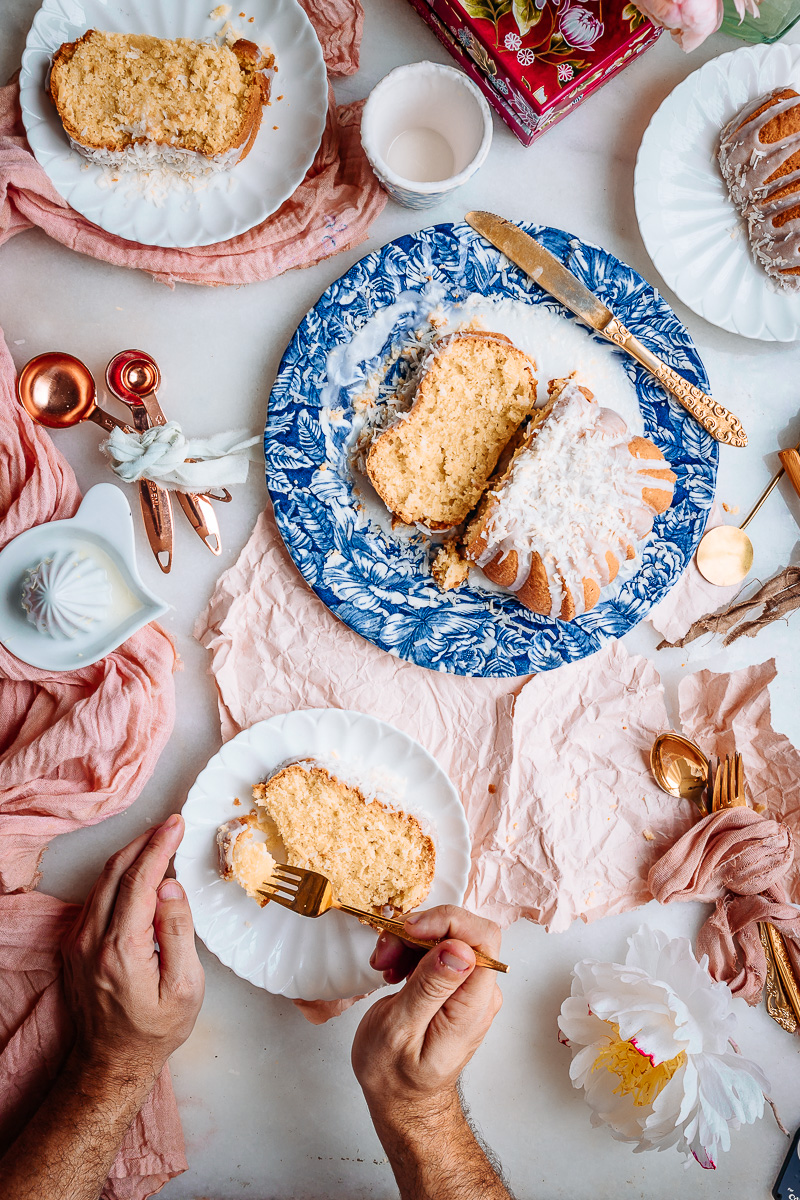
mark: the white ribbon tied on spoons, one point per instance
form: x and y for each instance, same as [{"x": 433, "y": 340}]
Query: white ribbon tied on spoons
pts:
[{"x": 163, "y": 453}]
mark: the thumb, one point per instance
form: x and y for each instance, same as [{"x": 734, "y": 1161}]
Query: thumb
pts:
[
  {"x": 436, "y": 977},
  {"x": 174, "y": 931}
]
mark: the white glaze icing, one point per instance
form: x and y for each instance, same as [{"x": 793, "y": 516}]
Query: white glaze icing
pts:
[
  {"x": 64, "y": 595},
  {"x": 573, "y": 495},
  {"x": 747, "y": 164}
]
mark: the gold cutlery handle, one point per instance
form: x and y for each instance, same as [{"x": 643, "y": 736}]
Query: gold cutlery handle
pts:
[
  {"x": 784, "y": 967},
  {"x": 389, "y": 925},
  {"x": 714, "y": 417}
]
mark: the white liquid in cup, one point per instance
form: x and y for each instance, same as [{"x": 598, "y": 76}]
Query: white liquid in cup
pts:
[{"x": 421, "y": 155}]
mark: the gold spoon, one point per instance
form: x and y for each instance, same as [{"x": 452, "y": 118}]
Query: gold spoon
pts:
[
  {"x": 725, "y": 554},
  {"x": 680, "y": 768},
  {"x": 58, "y": 390}
]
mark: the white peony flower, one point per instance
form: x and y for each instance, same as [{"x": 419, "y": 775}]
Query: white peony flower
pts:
[{"x": 650, "y": 1046}]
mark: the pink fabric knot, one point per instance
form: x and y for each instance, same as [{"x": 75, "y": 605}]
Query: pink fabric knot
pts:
[{"x": 739, "y": 859}]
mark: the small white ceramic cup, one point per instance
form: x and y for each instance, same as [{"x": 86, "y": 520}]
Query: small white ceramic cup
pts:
[{"x": 425, "y": 129}]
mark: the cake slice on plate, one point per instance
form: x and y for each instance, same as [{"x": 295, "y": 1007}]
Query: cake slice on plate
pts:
[
  {"x": 132, "y": 101},
  {"x": 432, "y": 464},
  {"x": 759, "y": 155},
  {"x": 375, "y": 856}
]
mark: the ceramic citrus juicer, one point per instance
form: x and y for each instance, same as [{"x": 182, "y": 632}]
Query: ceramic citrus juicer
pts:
[{"x": 70, "y": 591}]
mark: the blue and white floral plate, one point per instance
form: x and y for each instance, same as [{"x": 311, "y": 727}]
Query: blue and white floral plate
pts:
[{"x": 379, "y": 583}]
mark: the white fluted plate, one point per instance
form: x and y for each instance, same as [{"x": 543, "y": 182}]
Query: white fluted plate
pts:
[
  {"x": 325, "y": 958},
  {"x": 233, "y": 201},
  {"x": 692, "y": 231}
]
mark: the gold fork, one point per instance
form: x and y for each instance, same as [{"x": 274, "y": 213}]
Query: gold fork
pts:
[
  {"x": 783, "y": 994},
  {"x": 310, "y": 894}
]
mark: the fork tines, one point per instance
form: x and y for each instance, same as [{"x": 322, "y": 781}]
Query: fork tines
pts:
[{"x": 282, "y": 884}]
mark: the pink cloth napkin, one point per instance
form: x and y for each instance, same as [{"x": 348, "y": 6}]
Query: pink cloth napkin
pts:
[
  {"x": 35, "y": 1035},
  {"x": 74, "y": 749},
  {"x": 739, "y": 859},
  {"x": 330, "y": 211}
]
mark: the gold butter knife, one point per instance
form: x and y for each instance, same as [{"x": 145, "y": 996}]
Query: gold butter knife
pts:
[{"x": 551, "y": 275}]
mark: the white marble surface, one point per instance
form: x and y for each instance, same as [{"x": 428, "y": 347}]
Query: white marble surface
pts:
[{"x": 269, "y": 1103}]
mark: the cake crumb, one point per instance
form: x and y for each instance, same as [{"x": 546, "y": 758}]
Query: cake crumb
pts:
[
  {"x": 492, "y": 789},
  {"x": 450, "y": 567},
  {"x": 219, "y": 12},
  {"x": 730, "y": 508},
  {"x": 648, "y": 835},
  {"x": 237, "y": 801},
  {"x": 759, "y": 808}
]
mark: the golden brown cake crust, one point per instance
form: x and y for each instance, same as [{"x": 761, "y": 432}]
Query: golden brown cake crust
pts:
[
  {"x": 534, "y": 591},
  {"x": 251, "y": 63}
]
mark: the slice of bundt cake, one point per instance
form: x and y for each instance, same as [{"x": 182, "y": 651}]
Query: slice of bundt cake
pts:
[
  {"x": 242, "y": 857},
  {"x": 432, "y": 464},
  {"x": 759, "y": 155},
  {"x": 137, "y": 101},
  {"x": 373, "y": 855},
  {"x": 577, "y": 495}
]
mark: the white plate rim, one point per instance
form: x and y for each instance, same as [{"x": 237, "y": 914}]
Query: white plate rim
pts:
[
  {"x": 186, "y": 220},
  {"x": 265, "y": 744},
  {"x": 739, "y": 318}
]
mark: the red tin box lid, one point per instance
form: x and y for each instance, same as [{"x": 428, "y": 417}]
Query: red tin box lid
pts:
[{"x": 547, "y": 48}]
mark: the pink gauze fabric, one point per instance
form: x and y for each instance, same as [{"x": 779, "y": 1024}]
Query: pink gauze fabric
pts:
[
  {"x": 74, "y": 749},
  {"x": 330, "y": 211},
  {"x": 739, "y": 859},
  {"x": 35, "y": 1034}
]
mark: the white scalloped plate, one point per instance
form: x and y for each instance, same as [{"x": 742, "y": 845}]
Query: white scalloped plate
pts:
[
  {"x": 234, "y": 201},
  {"x": 326, "y": 958},
  {"x": 691, "y": 230}
]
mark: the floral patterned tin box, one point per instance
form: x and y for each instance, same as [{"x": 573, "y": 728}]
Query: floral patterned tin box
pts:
[{"x": 536, "y": 60}]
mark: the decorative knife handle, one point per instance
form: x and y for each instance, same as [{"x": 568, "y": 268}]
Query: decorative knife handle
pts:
[{"x": 714, "y": 417}]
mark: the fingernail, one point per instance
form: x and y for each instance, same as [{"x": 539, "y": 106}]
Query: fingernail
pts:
[
  {"x": 172, "y": 821},
  {"x": 448, "y": 959},
  {"x": 412, "y": 918},
  {"x": 170, "y": 889}
]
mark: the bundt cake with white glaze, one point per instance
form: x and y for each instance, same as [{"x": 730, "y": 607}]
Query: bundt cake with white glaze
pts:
[
  {"x": 133, "y": 101},
  {"x": 431, "y": 465},
  {"x": 578, "y": 494},
  {"x": 759, "y": 155}
]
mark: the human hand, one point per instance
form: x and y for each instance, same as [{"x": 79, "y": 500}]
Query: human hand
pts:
[
  {"x": 411, "y": 1047},
  {"x": 134, "y": 1005}
]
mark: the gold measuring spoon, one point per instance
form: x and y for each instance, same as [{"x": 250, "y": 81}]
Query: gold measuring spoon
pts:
[
  {"x": 58, "y": 390},
  {"x": 725, "y": 554},
  {"x": 133, "y": 377},
  {"x": 680, "y": 768}
]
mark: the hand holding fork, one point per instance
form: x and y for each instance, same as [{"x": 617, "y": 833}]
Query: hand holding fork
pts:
[{"x": 310, "y": 894}]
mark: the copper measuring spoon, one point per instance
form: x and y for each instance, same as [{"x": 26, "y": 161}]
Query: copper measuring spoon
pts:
[
  {"x": 133, "y": 377},
  {"x": 58, "y": 390}
]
